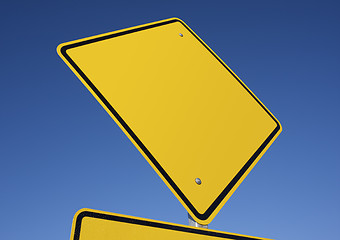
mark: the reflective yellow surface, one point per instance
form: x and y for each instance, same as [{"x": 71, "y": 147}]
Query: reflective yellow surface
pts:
[
  {"x": 190, "y": 111},
  {"x": 97, "y": 225}
]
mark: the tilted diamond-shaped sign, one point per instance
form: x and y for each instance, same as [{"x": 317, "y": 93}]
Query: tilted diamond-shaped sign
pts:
[{"x": 192, "y": 118}]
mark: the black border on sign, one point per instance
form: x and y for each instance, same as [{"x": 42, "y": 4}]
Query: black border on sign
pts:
[
  {"x": 237, "y": 177},
  {"x": 131, "y": 220}
]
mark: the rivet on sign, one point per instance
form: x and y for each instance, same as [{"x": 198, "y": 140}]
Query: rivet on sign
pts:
[
  {"x": 198, "y": 181},
  {"x": 181, "y": 35}
]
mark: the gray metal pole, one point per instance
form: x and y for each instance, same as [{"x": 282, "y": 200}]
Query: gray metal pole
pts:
[{"x": 193, "y": 223}]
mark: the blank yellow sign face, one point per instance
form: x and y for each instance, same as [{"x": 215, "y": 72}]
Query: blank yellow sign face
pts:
[
  {"x": 189, "y": 115},
  {"x": 96, "y": 225}
]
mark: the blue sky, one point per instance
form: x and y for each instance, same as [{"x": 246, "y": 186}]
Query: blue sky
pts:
[{"x": 60, "y": 150}]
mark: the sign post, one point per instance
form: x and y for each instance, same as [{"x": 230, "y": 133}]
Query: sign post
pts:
[{"x": 193, "y": 223}]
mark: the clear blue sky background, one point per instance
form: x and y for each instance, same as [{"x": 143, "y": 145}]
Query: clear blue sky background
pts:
[{"x": 60, "y": 151}]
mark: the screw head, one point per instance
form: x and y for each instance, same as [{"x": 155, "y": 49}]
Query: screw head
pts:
[
  {"x": 198, "y": 181},
  {"x": 181, "y": 35}
]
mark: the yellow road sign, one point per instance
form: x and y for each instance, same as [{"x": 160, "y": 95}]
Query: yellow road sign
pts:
[
  {"x": 192, "y": 118},
  {"x": 97, "y": 225}
]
